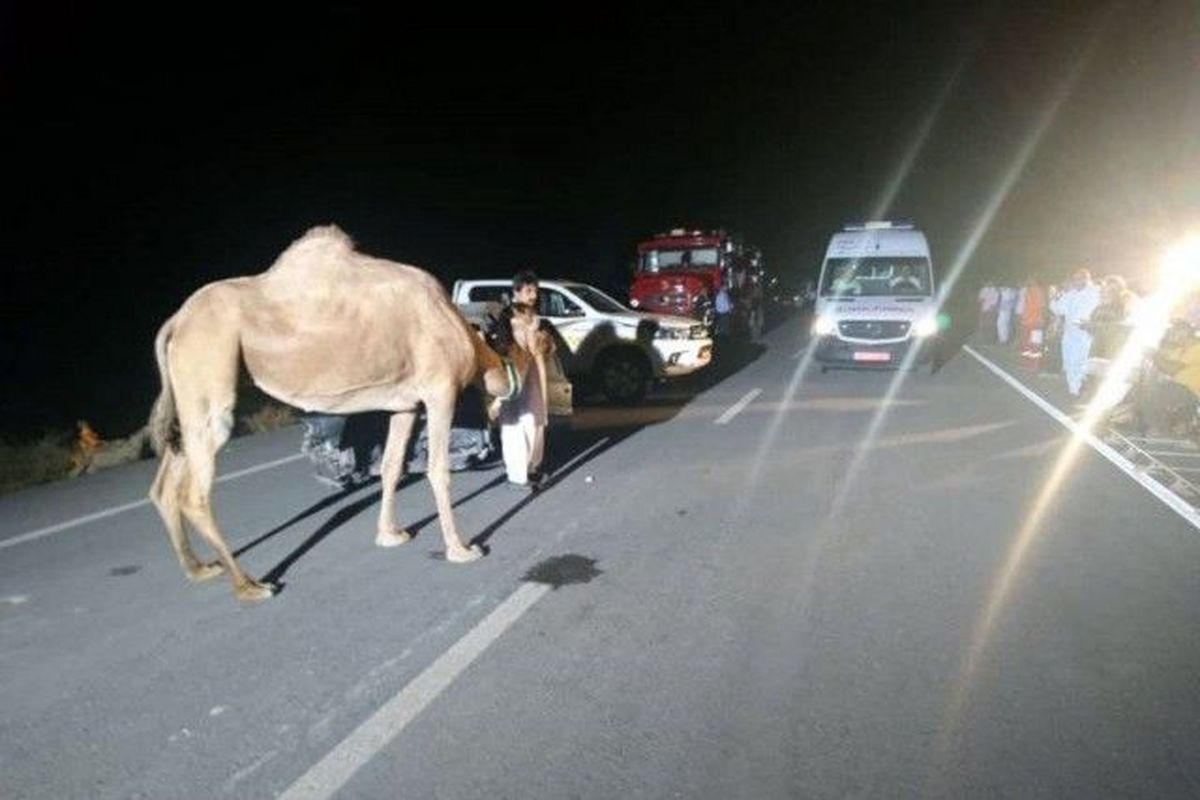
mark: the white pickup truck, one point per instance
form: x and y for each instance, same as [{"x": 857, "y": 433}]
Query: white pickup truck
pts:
[{"x": 599, "y": 340}]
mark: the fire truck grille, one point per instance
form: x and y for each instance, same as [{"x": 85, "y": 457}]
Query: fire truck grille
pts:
[{"x": 873, "y": 329}]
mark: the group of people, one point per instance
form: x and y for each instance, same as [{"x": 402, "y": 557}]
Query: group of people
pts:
[
  {"x": 1078, "y": 328},
  {"x": 1058, "y": 328}
]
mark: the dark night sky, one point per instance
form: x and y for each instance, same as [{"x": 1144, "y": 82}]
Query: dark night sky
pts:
[{"x": 147, "y": 155}]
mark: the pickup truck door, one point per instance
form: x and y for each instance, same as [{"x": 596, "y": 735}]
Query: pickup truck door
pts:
[{"x": 571, "y": 326}]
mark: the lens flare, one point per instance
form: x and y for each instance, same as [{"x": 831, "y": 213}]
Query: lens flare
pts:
[{"x": 1025, "y": 537}]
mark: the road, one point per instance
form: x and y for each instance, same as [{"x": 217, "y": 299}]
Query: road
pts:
[{"x": 728, "y": 592}]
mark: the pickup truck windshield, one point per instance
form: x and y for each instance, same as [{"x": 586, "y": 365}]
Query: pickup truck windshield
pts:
[
  {"x": 597, "y": 299},
  {"x": 876, "y": 276}
]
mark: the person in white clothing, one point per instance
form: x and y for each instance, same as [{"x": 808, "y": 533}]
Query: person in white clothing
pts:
[
  {"x": 1075, "y": 306},
  {"x": 989, "y": 299},
  {"x": 523, "y": 418},
  {"x": 1004, "y": 313}
]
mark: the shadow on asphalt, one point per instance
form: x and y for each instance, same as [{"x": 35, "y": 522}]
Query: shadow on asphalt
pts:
[{"x": 595, "y": 429}]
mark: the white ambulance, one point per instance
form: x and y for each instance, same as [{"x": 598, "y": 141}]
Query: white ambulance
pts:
[{"x": 876, "y": 299}]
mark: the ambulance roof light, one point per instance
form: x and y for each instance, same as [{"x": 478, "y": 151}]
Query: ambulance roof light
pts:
[{"x": 878, "y": 225}]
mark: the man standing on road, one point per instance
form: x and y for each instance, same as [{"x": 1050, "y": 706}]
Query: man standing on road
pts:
[
  {"x": 989, "y": 299},
  {"x": 723, "y": 307},
  {"x": 1032, "y": 310},
  {"x": 523, "y": 419},
  {"x": 1075, "y": 306},
  {"x": 1005, "y": 308}
]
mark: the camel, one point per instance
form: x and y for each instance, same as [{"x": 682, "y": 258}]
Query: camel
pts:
[{"x": 325, "y": 328}]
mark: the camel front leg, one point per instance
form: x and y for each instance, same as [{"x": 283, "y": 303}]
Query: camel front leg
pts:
[
  {"x": 439, "y": 414},
  {"x": 388, "y": 533}
]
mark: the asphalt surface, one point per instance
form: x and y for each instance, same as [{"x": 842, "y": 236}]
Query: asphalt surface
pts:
[{"x": 766, "y": 607}]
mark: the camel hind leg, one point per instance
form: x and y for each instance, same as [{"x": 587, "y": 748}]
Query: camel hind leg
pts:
[
  {"x": 439, "y": 413},
  {"x": 165, "y": 493},
  {"x": 204, "y": 434}
]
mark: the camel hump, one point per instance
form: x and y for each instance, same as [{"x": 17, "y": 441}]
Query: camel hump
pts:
[
  {"x": 322, "y": 255},
  {"x": 327, "y": 235},
  {"x": 320, "y": 238}
]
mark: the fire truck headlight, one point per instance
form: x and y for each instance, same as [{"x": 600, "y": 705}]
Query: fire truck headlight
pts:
[
  {"x": 823, "y": 325},
  {"x": 925, "y": 327},
  {"x": 634, "y": 302}
]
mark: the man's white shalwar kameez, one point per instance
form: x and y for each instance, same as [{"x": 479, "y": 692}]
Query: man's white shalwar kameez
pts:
[
  {"x": 523, "y": 419},
  {"x": 1075, "y": 306}
]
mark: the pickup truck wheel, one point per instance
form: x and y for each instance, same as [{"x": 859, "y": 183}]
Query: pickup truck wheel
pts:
[{"x": 624, "y": 377}]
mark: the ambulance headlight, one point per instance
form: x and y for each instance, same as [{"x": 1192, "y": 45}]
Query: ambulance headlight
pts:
[
  {"x": 925, "y": 327},
  {"x": 824, "y": 325}
]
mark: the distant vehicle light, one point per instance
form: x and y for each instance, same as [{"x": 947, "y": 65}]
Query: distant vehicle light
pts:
[{"x": 634, "y": 302}]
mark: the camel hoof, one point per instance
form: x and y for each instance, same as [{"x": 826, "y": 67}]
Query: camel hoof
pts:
[
  {"x": 253, "y": 591},
  {"x": 464, "y": 555},
  {"x": 392, "y": 538},
  {"x": 204, "y": 572}
]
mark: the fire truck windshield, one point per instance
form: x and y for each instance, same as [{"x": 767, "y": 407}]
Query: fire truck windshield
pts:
[{"x": 697, "y": 258}]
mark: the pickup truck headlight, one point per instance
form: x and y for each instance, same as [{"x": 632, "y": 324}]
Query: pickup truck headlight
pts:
[
  {"x": 824, "y": 325},
  {"x": 925, "y": 327}
]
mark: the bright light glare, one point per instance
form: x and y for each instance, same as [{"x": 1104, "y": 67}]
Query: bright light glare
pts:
[
  {"x": 999, "y": 590},
  {"x": 1179, "y": 275},
  {"x": 823, "y": 325},
  {"x": 925, "y": 327},
  {"x": 1181, "y": 264}
]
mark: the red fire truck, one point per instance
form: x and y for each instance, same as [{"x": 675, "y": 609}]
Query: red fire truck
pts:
[{"x": 682, "y": 271}]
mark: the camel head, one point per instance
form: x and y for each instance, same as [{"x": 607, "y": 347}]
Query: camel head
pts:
[{"x": 502, "y": 378}]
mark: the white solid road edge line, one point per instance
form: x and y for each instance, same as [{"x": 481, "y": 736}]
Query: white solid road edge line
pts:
[
  {"x": 332, "y": 772},
  {"x": 737, "y": 407},
  {"x": 1172, "y": 500},
  {"x": 114, "y": 510}
]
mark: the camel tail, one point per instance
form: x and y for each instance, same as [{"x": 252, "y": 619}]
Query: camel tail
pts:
[{"x": 164, "y": 432}]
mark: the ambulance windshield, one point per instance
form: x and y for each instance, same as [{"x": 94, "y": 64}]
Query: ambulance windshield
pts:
[{"x": 877, "y": 276}]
